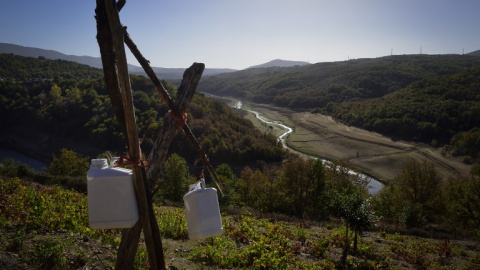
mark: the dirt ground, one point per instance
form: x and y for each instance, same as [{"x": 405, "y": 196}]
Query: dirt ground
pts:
[{"x": 369, "y": 152}]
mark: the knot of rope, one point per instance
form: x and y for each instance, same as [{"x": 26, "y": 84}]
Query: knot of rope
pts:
[
  {"x": 203, "y": 160},
  {"x": 125, "y": 160},
  {"x": 181, "y": 121},
  {"x": 160, "y": 96}
]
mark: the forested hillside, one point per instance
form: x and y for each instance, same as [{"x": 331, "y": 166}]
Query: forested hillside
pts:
[
  {"x": 336, "y": 223},
  {"x": 52, "y": 100},
  {"x": 324, "y": 84},
  {"x": 28, "y": 68},
  {"x": 96, "y": 62},
  {"x": 440, "y": 110},
  {"x": 428, "y": 98}
]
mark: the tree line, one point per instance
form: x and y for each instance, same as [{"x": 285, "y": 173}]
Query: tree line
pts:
[
  {"x": 311, "y": 190},
  {"x": 307, "y": 188},
  {"x": 426, "y": 98},
  {"x": 318, "y": 85},
  {"x": 76, "y": 108},
  {"x": 440, "y": 111}
]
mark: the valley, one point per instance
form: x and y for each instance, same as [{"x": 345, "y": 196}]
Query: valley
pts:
[
  {"x": 367, "y": 152},
  {"x": 285, "y": 202}
]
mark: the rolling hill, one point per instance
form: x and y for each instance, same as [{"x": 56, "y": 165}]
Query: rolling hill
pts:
[
  {"x": 281, "y": 63},
  {"x": 46, "y": 105},
  {"x": 7, "y": 48},
  {"x": 423, "y": 98},
  {"x": 317, "y": 85},
  {"x": 96, "y": 62},
  {"x": 474, "y": 53}
]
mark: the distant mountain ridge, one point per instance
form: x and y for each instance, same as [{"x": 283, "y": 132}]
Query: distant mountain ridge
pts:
[
  {"x": 474, "y": 53},
  {"x": 96, "y": 62},
  {"x": 281, "y": 63}
]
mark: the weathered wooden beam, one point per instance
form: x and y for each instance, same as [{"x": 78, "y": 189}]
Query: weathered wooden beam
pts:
[
  {"x": 185, "y": 92},
  {"x": 152, "y": 238},
  {"x": 104, "y": 39},
  {"x": 128, "y": 247},
  {"x": 111, "y": 35},
  {"x": 130, "y": 237},
  {"x": 177, "y": 111},
  {"x": 120, "y": 4}
]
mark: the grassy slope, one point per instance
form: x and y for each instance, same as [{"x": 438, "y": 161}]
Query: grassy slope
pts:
[{"x": 37, "y": 229}]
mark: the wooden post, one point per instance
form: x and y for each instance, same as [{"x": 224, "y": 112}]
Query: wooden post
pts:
[
  {"x": 130, "y": 237},
  {"x": 128, "y": 248},
  {"x": 104, "y": 39},
  {"x": 107, "y": 13},
  {"x": 111, "y": 36},
  {"x": 176, "y": 111}
]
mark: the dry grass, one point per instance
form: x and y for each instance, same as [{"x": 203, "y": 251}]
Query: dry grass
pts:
[{"x": 380, "y": 156}]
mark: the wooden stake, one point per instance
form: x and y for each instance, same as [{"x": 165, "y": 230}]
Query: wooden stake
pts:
[
  {"x": 177, "y": 111},
  {"x": 111, "y": 36},
  {"x": 122, "y": 84}
]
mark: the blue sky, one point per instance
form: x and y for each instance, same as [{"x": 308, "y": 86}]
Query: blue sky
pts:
[{"x": 242, "y": 33}]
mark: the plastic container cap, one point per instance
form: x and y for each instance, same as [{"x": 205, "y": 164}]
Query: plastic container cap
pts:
[{"x": 99, "y": 163}]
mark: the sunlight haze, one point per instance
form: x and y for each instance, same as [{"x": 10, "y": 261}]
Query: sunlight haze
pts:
[{"x": 239, "y": 34}]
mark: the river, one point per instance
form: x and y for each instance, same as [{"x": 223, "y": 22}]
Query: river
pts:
[
  {"x": 373, "y": 185},
  {"x": 19, "y": 157}
]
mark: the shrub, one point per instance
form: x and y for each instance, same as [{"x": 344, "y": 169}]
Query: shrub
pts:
[
  {"x": 48, "y": 254},
  {"x": 176, "y": 177},
  {"x": 12, "y": 168},
  {"x": 173, "y": 223},
  {"x": 69, "y": 163}
]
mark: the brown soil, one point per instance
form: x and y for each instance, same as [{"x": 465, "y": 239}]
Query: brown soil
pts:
[{"x": 369, "y": 152}]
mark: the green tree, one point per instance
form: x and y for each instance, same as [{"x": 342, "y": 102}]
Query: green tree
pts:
[
  {"x": 228, "y": 178},
  {"x": 247, "y": 187},
  {"x": 414, "y": 196},
  {"x": 297, "y": 184},
  {"x": 56, "y": 94},
  {"x": 12, "y": 168},
  {"x": 338, "y": 176},
  {"x": 383, "y": 202},
  {"x": 463, "y": 202},
  {"x": 175, "y": 177},
  {"x": 69, "y": 164},
  {"x": 355, "y": 211},
  {"x": 316, "y": 198},
  {"x": 256, "y": 189}
]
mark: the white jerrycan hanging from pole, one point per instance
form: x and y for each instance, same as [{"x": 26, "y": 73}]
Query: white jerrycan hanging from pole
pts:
[
  {"x": 202, "y": 211},
  {"x": 111, "y": 196}
]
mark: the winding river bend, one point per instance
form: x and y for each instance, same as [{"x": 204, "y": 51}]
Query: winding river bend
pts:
[{"x": 373, "y": 185}]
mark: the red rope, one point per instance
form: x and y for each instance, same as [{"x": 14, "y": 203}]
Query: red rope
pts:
[
  {"x": 202, "y": 176},
  {"x": 160, "y": 96},
  {"x": 180, "y": 121},
  {"x": 146, "y": 131},
  {"x": 125, "y": 160}
]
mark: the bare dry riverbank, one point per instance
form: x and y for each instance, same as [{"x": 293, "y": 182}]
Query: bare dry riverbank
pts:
[{"x": 369, "y": 152}]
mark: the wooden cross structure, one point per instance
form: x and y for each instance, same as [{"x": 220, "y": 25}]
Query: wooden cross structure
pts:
[{"x": 111, "y": 37}]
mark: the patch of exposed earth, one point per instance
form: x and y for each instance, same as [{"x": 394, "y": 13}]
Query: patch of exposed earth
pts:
[{"x": 369, "y": 152}]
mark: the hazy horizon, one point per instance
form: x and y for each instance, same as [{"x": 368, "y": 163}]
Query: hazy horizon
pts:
[{"x": 237, "y": 35}]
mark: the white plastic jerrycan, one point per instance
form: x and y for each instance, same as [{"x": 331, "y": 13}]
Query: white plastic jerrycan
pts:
[
  {"x": 203, "y": 212},
  {"x": 111, "y": 196}
]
